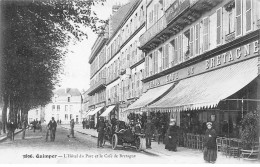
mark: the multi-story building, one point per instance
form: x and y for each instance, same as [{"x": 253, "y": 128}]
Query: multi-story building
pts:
[
  {"x": 97, "y": 90},
  {"x": 85, "y": 105},
  {"x": 125, "y": 62},
  {"x": 201, "y": 61},
  {"x": 65, "y": 105}
]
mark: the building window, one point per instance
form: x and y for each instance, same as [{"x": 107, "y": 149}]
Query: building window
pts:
[
  {"x": 53, "y": 107},
  {"x": 66, "y": 116},
  {"x": 58, "y": 107},
  {"x": 71, "y": 116},
  {"x": 66, "y": 108},
  {"x": 68, "y": 99},
  {"x": 186, "y": 44}
]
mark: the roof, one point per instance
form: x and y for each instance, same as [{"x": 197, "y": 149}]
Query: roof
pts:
[
  {"x": 117, "y": 18},
  {"x": 70, "y": 91}
]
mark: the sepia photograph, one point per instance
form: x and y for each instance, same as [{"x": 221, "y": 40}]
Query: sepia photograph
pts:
[{"x": 130, "y": 82}]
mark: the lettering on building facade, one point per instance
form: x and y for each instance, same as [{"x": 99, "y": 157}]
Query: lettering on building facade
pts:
[{"x": 235, "y": 55}]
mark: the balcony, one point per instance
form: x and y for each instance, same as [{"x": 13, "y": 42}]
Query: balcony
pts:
[
  {"x": 153, "y": 31},
  {"x": 100, "y": 84},
  {"x": 230, "y": 37},
  {"x": 178, "y": 16}
]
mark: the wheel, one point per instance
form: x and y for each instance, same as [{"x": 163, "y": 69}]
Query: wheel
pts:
[
  {"x": 139, "y": 146},
  {"x": 114, "y": 141}
]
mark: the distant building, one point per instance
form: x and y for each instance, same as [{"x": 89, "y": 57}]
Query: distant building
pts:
[
  {"x": 66, "y": 105},
  {"x": 36, "y": 114}
]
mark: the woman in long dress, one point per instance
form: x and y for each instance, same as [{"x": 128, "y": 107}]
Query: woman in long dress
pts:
[
  {"x": 172, "y": 136},
  {"x": 210, "y": 144}
]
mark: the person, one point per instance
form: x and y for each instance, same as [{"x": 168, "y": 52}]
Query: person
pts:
[
  {"x": 92, "y": 122},
  {"x": 60, "y": 122},
  {"x": 149, "y": 131},
  {"x": 24, "y": 125},
  {"x": 210, "y": 144},
  {"x": 172, "y": 136},
  {"x": 34, "y": 125},
  {"x": 83, "y": 124},
  {"x": 101, "y": 131},
  {"x": 12, "y": 129},
  {"x": 47, "y": 132},
  {"x": 87, "y": 124},
  {"x": 52, "y": 126},
  {"x": 72, "y": 124},
  {"x": 1, "y": 127}
]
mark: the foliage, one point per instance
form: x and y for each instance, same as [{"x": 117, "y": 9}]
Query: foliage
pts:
[
  {"x": 34, "y": 39},
  {"x": 249, "y": 134}
]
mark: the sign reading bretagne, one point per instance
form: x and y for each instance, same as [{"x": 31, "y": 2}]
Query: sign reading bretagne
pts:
[{"x": 232, "y": 56}]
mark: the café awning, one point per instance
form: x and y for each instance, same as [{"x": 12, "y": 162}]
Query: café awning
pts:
[
  {"x": 208, "y": 89},
  {"x": 150, "y": 96},
  {"x": 86, "y": 113},
  {"x": 93, "y": 112},
  {"x": 107, "y": 111}
]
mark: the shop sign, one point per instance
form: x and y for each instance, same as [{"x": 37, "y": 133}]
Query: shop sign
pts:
[
  {"x": 236, "y": 54},
  {"x": 176, "y": 9},
  {"x": 232, "y": 56}
]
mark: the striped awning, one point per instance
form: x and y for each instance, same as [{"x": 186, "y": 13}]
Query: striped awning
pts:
[
  {"x": 107, "y": 111},
  {"x": 149, "y": 97},
  {"x": 93, "y": 112},
  {"x": 208, "y": 89}
]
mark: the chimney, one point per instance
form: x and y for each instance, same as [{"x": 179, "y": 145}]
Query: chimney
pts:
[
  {"x": 67, "y": 90},
  {"x": 115, "y": 8}
]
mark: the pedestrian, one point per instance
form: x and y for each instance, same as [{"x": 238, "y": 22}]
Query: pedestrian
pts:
[
  {"x": 47, "y": 132},
  {"x": 72, "y": 124},
  {"x": 1, "y": 127},
  {"x": 83, "y": 124},
  {"x": 210, "y": 144},
  {"x": 52, "y": 125},
  {"x": 24, "y": 125},
  {"x": 60, "y": 122},
  {"x": 34, "y": 125},
  {"x": 12, "y": 130},
  {"x": 101, "y": 131},
  {"x": 172, "y": 136},
  {"x": 149, "y": 131}
]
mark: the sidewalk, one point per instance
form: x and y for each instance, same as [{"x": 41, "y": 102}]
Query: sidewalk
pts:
[
  {"x": 196, "y": 155},
  {"x": 3, "y": 136}
]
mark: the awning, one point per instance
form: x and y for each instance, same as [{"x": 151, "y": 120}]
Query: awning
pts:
[
  {"x": 150, "y": 96},
  {"x": 93, "y": 112},
  {"x": 86, "y": 113},
  {"x": 107, "y": 111},
  {"x": 208, "y": 89}
]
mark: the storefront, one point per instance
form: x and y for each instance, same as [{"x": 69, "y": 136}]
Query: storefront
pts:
[{"x": 220, "y": 87}]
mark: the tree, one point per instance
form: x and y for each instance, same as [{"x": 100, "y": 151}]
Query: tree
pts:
[{"x": 35, "y": 35}]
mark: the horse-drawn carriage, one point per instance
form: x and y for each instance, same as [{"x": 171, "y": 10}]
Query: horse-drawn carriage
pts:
[{"x": 120, "y": 134}]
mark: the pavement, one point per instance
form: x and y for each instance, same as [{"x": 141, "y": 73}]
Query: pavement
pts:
[
  {"x": 3, "y": 136},
  {"x": 197, "y": 155}
]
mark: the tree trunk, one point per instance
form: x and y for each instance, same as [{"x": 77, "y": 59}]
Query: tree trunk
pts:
[{"x": 4, "y": 113}]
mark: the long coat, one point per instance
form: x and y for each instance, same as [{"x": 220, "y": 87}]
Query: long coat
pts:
[
  {"x": 172, "y": 137},
  {"x": 210, "y": 139}
]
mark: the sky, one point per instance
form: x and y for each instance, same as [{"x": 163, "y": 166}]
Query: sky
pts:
[{"x": 76, "y": 67}]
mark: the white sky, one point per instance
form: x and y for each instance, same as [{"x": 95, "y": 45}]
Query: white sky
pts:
[{"x": 77, "y": 68}]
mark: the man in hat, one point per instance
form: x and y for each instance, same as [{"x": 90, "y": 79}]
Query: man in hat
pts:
[
  {"x": 149, "y": 131},
  {"x": 101, "y": 131},
  {"x": 52, "y": 126},
  {"x": 172, "y": 136}
]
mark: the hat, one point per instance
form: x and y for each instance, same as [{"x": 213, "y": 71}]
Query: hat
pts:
[{"x": 209, "y": 123}]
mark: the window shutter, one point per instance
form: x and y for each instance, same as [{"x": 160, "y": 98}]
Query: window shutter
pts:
[
  {"x": 166, "y": 55},
  {"x": 180, "y": 49},
  {"x": 219, "y": 23},
  {"x": 163, "y": 58},
  {"x": 191, "y": 42},
  {"x": 176, "y": 51},
  {"x": 156, "y": 61},
  {"x": 248, "y": 15},
  {"x": 206, "y": 34},
  {"x": 238, "y": 6}
]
